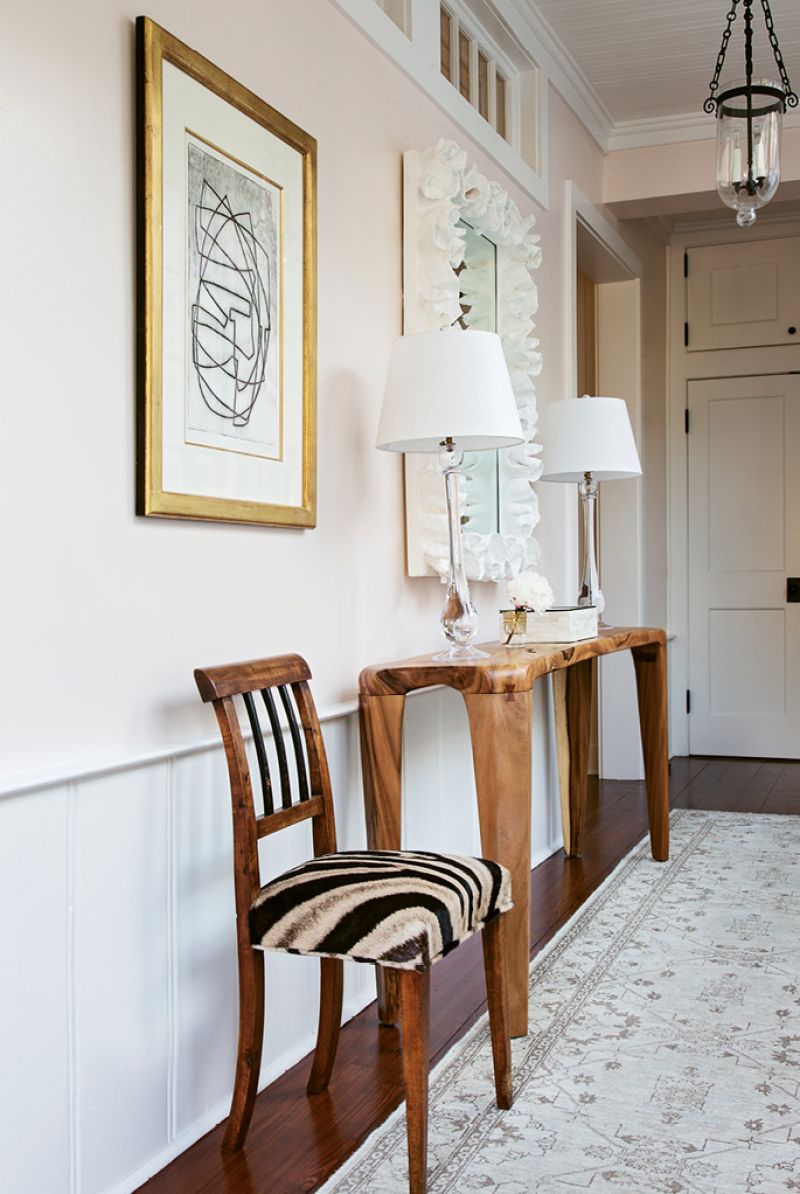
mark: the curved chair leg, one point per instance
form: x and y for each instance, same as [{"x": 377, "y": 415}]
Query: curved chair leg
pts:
[
  {"x": 251, "y": 1039},
  {"x": 330, "y": 1020},
  {"x": 495, "y": 966},
  {"x": 415, "y": 1017}
]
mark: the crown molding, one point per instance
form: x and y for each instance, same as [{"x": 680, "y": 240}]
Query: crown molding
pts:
[
  {"x": 667, "y": 130},
  {"x": 723, "y": 221},
  {"x": 661, "y": 130}
]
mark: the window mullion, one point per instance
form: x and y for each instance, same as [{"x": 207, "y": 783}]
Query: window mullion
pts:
[
  {"x": 473, "y": 72},
  {"x": 492, "y": 94}
]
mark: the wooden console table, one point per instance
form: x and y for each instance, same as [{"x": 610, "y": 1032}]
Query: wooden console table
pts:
[{"x": 498, "y": 695}]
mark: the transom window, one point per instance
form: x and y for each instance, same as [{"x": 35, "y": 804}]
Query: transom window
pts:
[{"x": 473, "y": 70}]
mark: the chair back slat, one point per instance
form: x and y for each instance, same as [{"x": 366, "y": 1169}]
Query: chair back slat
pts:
[
  {"x": 290, "y": 675},
  {"x": 325, "y": 827},
  {"x": 261, "y": 752},
  {"x": 280, "y": 747},
  {"x": 297, "y": 741}
]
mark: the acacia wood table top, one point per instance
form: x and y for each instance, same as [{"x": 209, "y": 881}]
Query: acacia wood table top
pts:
[{"x": 507, "y": 669}]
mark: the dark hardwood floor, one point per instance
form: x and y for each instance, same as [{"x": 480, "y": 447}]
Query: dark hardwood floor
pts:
[{"x": 296, "y": 1142}]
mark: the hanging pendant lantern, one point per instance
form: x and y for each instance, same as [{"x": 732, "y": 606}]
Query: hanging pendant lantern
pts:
[{"x": 749, "y": 118}]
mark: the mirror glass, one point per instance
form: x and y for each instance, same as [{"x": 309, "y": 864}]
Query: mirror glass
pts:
[{"x": 477, "y": 278}]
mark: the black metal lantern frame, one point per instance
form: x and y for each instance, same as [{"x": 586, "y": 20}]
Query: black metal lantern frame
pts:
[{"x": 753, "y": 100}]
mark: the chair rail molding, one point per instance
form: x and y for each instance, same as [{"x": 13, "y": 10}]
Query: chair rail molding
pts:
[
  {"x": 441, "y": 193},
  {"x": 62, "y": 773}
]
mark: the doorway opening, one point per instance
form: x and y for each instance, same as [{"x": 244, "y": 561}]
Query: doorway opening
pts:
[{"x": 605, "y": 359}]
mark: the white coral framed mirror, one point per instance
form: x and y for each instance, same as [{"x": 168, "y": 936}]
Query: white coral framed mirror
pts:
[{"x": 468, "y": 259}]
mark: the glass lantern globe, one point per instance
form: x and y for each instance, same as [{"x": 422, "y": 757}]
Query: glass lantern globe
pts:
[{"x": 749, "y": 147}]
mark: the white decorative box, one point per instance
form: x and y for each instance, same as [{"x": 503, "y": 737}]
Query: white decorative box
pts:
[{"x": 561, "y": 624}]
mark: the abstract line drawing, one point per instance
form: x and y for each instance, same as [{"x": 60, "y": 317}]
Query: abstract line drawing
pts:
[{"x": 230, "y": 318}]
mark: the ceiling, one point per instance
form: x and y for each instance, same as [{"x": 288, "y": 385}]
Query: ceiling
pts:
[{"x": 646, "y": 59}]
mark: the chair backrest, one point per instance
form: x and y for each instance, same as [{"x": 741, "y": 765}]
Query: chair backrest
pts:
[{"x": 255, "y": 682}]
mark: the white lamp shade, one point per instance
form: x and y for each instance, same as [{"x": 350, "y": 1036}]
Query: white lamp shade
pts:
[
  {"x": 588, "y": 435},
  {"x": 448, "y": 384}
]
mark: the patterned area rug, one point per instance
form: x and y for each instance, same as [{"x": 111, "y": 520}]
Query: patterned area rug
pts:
[{"x": 664, "y": 1045}]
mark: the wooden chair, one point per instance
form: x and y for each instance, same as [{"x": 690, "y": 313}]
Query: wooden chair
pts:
[{"x": 402, "y": 909}]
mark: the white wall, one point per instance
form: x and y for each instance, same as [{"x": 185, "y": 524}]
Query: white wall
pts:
[
  {"x": 680, "y": 178},
  {"x": 118, "y": 1006},
  {"x": 110, "y": 613}
]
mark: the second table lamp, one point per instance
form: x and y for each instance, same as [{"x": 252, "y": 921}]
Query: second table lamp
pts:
[{"x": 587, "y": 440}]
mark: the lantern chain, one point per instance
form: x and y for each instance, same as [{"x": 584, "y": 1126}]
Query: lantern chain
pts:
[
  {"x": 791, "y": 95},
  {"x": 711, "y": 103},
  {"x": 748, "y": 48}
]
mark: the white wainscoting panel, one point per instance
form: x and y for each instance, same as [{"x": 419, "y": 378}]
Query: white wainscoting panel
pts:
[
  {"x": 118, "y": 1010},
  {"x": 121, "y": 979},
  {"x": 202, "y": 940},
  {"x": 35, "y": 1032}
]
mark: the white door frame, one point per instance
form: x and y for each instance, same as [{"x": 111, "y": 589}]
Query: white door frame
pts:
[
  {"x": 682, "y": 367},
  {"x": 619, "y": 749}
]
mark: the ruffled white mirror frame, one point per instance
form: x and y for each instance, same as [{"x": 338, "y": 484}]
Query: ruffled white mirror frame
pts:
[{"x": 443, "y": 197}]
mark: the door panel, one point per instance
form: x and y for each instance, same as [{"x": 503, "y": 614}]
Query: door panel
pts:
[
  {"x": 744, "y": 539},
  {"x": 743, "y": 295},
  {"x": 745, "y": 446},
  {"x": 747, "y": 648}
]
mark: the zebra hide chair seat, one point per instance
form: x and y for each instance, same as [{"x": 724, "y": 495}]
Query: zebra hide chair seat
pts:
[{"x": 402, "y": 910}]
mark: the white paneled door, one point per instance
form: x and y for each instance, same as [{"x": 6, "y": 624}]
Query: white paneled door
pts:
[
  {"x": 744, "y": 551},
  {"x": 743, "y": 294}
]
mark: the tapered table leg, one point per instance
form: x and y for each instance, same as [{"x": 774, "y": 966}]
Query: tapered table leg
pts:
[
  {"x": 572, "y": 696},
  {"x": 381, "y": 720},
  {"x": 500, "y": 727},
  {"x": 650, "y": 662}
]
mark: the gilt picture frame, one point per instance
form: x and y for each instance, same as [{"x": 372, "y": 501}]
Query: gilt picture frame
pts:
[{"x": 226, "y": 296}]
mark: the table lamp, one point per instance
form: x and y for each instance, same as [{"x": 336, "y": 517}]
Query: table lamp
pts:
[
  {"x": 587, "y": 440},
  {"x": 450, "y": 392}
]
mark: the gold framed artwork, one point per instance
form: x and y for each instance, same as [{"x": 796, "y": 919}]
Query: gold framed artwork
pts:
[{"x": 226, "y": 296}]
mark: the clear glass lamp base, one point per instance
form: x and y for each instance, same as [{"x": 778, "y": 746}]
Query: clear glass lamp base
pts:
[
  {"x": 459, "y": 619},
  {"x": 590, "y": 591},
  {"x": 459, "y": 653}
]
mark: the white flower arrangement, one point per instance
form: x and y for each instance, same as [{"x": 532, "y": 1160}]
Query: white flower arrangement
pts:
[{"x": 531, "y": 590}]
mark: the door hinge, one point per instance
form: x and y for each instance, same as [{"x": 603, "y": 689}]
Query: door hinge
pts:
[
  {"x": 686, "y": 334},
  {"x": 686, "y": 265},
  {"x": 686, "y": 420},
  {"x": 688, "y": 701}
]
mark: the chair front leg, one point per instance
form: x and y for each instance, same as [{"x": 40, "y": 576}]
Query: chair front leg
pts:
[
  {"x": 330, "y": 1020},
  {"x": 495, "y": 966},
  {"x": 415, "y": 1018},
  {"x": 251, "y": 1039}
]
